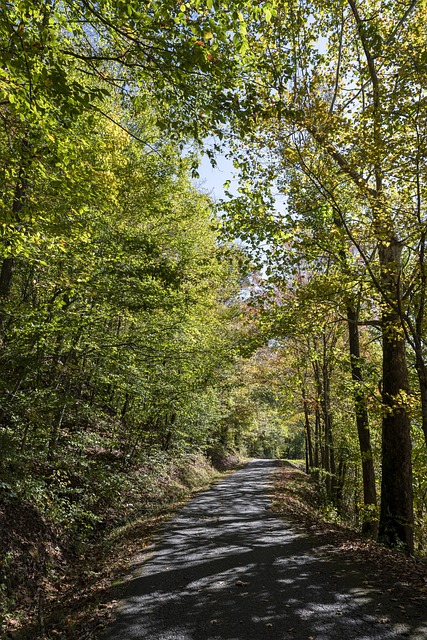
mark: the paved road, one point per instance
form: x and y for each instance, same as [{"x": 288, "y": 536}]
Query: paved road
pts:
[{"x": 226, "y": 568}]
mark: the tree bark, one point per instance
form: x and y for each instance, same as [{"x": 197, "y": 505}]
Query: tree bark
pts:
[
  {"x": 341, "y": 475},
  {"x": 396, "y": 517}
]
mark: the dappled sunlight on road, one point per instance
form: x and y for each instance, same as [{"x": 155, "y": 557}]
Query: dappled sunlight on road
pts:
[{"x": 226, "y": 568}]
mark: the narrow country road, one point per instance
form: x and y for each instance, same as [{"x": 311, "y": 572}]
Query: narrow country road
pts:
[{"x": 226, "y": 568}]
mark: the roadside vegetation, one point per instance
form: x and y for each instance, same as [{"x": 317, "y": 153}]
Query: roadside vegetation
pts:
[
  {"x": 296, "y": 499},
  {"x": 61, "y": 578}
]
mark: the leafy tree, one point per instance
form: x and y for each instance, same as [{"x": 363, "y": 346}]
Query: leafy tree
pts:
[
  {"x": 116, "y": 314},
  {"x": 335, "y": 91}
]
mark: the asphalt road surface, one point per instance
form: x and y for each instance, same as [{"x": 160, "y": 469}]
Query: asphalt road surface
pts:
[{"x": 227, "y": 568}]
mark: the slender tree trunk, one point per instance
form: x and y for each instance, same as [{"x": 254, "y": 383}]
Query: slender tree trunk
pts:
[
  {"x": 396, "y": 517},
  {"x": 323, "y": 457},
  {"x": 370, "y": 523},
  {"x": 54, "y": 435},
  {"x": 316, "y": 456},
  {"x": 307, "y": 464},
  {"x": 321, "y": 375},
  {"x": 421, "y": 368},
  {"x": 331, "y": 466},
  {"x": 308, "y": 435},
  {"x": 328, "y": 422},
  {"x": 341, "y": 475},
  {"x": 8, "y": 264}
]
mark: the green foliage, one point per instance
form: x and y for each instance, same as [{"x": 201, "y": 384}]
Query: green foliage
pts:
[
  {"x": 122, "y": 305},
  {"x": 331, "y": 130},
  {"x": 125, "y": 337}
]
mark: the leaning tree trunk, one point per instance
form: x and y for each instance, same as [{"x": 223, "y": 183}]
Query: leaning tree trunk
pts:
[{"x": 396, "y": 517}]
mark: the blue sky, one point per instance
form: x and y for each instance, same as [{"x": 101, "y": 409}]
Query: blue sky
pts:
[{"x": 212, "y": 178}]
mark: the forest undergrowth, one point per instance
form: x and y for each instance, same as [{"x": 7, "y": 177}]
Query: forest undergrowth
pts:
[{"x": 62, "y": 583}]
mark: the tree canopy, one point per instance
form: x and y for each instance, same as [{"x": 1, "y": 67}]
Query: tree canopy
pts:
[{"x": 139, "y": 320}]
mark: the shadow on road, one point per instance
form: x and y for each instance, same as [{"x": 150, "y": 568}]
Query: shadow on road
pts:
[{"x": 226, "y": 568}]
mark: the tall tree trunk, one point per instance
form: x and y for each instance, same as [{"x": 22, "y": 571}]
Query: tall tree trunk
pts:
[
  {"x": 307, "y": 428},
  {"x": 331, "y": 471},
  {"x": 370, "y": 522},
  {"x": 321, "y": 375},
  {"x": 341, "y": 475},
  {"x": 421, "y": 368},
  {"x": 416, "y": 330},
  {"x": 317, "y": 443},
  {"x": 324, "y": 458},
  {"x": 396, "y": 517},
  {"x": 328, "y": 421}
]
